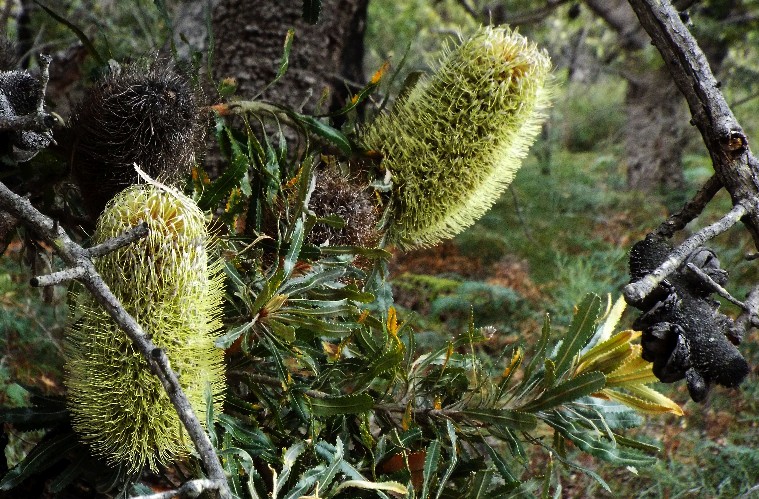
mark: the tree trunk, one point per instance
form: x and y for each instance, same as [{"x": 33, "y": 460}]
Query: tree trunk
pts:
[
  {"x": 249, "y": 38},
  {"x": 656, "y": 112},
  {"x": 655, "y": 133}
]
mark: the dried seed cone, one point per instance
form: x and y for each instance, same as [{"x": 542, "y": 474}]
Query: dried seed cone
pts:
[
  {"x": 167, "y": 283},
  {"x": 335, "y": 194},
  {"x": 147, "y": 116},
  {"x": 455, "y": 142}
]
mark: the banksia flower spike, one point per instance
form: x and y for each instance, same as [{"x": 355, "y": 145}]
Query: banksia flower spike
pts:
[
  {"x": 135, "y": 115},
  {"x": 453, "y": 145},
  {"x": 166, "y": 282}
]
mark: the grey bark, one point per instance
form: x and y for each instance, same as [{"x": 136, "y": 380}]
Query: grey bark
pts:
[
  {"x": 656, "y": 114},
  {"x": 249, "y": 36}
]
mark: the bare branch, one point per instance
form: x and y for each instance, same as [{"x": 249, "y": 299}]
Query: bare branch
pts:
[
  {"x": 692, "y": 208},
  {"x": 750, "y": 315},
  {"x": 137, "y": 232},
  {"x": 716, "y": 287},
  {"x": 45, "y": 61},
  {"x": 733, "y": 162},
  {"x": 638, "y": 290},
  {"x": 191, "y": 490},
  {"x": 77, "y": 257},
  {"x": 55, "y": 278},
  {"x": 37, "y": 122}
]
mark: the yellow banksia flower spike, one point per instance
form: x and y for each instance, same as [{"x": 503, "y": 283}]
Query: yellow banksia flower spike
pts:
[
  {"x": 454, "y": 143},
  {"x": 168, "y": 284}
]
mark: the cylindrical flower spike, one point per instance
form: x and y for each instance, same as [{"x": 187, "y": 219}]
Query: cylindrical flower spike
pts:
[
  {"x": 455, "y": 142},
  {"x": 166, "y": 282}
]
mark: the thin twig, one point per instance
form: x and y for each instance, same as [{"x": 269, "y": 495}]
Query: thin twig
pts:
[
  {"x": 36, "y": 122},
  {"x": 77, "y": 257},
  {"x": 750, "y": 315},
  {"x": 45, "y": 61},
  {"x": 191, "y": 490},
  {"x": 65, "y": 275},
  {"x": 716, "y": 287},
  {"x": 137, "y": 232},
  {"x": 638, "y": 290},
  {"x": 692, "y": 208}
]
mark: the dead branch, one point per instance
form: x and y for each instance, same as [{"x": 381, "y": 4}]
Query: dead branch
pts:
[
  {"x": 733, "y": 162},
  {"x": 190, "y": 490},
  {"x": 692, "y": 208}
]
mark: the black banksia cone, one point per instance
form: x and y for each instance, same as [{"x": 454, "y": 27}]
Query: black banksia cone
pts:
[{"x": 135, "y": 115}]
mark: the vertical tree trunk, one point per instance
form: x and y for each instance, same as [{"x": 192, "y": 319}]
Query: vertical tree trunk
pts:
[
  {"x": 655, "y": 134},
  {"x": 325, "y": 57},
  {"x": 656, "y": 125}
]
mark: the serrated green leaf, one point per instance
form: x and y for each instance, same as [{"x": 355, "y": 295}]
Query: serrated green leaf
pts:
[
  {"x": 500, "y": 464},
  {"x": 478, "y": 489},
  {"x": 580, "y": 331},
  {"x": 225, "y": 341},
  {"x": 516, "y": 420},
  {"x": 289, "y": 459},
  {"x": 284, "y": 61},
  {"x": 430, "y": 466},
  {"x": 549, "y": 374},
  {"x": 223, "y": 186},
  {"x": 282, "y": 331},
  {"x": 296, "y": 241},
  {"x": 394, "y": 487},
  {"x": 568, "y": 391},
  {"x": 645, "y": 399},
  {"x": 640, "y": 377},
  {"x": 540, "y": 348},
  {"x": 453, "y": 460},
  {"x": 602, "y": 448},
  {"x": 252, "y": 440},
  {"x": 611, "y": 319},
  {"x": 69, "y": 474},
  {"x": 608, "y": 361},
  {"x": 637, "y": 444},
  {"x": 605, "y": 347},
  {"x": 341, "y": 405}
]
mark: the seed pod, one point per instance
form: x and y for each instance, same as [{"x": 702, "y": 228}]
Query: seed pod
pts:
[
  {"x": 134, "y": 115},
  {"x": 166, "y": 282},
  {"x": 455, "y": 142},
  {"x": 19, "y": 93},
  {"x": 335, "y": 194}
]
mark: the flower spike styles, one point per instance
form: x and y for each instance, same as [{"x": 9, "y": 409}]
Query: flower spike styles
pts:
[
  {"x": 453, "y": 145},
  {"x": 166, "y": 282}
]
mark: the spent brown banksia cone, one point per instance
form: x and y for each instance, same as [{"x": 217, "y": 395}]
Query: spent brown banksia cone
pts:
[{"x": 148, "y": 116}]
